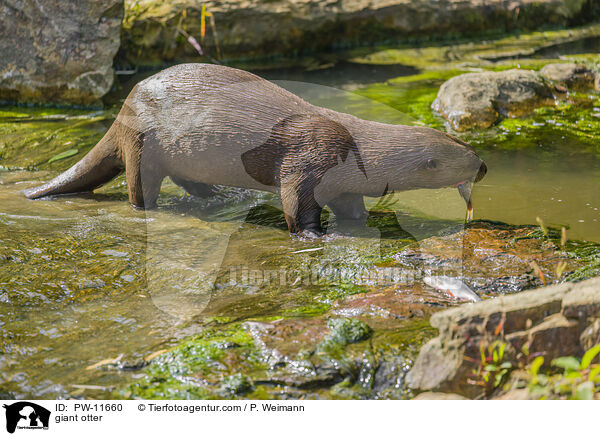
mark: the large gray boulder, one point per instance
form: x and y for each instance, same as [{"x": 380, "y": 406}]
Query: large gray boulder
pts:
[
  {"x": 480, "y": 99},
  {"x": 58, "y": 51},
  {"x": 553, "y": 321}
]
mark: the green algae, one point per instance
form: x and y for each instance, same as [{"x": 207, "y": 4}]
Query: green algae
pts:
[
  {"x": 592, "y": 269},
  {"x": 335, "y": 292},
  {"x": 412, "y": 95},
  {"x": 35, "y": 138},
  {"x": 572, "y": 120},
  {"x": 310, "y": 310},
  {"x": 200, "y": 367},
  {"x": 573, "y": 124},
  {"x": 406, "y": 340},
  {"x": 473, "y": 53},
  {"x": 217, "y": 320},
  {"x": 351, "y": 362},
  {"x": 205, "y": 366},
  {"x": 317, "y": 300},
  {"x": 160, "y": 387},
  {"x": 320, "y": 298},
  {"x": 39, "y": 265}
]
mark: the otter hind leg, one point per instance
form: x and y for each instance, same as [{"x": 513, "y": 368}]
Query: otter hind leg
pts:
[
  {"x": 196, "y": 189},
  {"x": 143, "y": 185},
  {"x": 143, "y": 171}
]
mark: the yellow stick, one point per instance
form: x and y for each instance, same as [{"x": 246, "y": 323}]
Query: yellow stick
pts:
[{"x": 203, "y": 23}]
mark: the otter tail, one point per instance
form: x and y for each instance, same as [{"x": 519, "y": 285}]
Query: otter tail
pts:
[{"x": 97, "y": 167}]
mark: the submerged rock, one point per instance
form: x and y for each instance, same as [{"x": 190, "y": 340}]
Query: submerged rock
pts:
[
  {"x": 547, "y": 321},
  {"x": 237, "y": 384},
  {"x": 494, "y": 258},
  {"x": 572, "y": 76},
  {"x": 480, "y": 99},
  {"x": 58, "y": 51}
]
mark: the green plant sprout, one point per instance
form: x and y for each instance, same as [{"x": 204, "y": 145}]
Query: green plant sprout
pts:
[{"x": 579, "y": 380}]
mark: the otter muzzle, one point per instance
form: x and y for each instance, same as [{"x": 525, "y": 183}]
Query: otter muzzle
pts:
[{"x": 465, "y": 190}]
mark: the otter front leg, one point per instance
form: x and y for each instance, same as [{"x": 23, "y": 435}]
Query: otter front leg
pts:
[{"x": 302, "y": 212}]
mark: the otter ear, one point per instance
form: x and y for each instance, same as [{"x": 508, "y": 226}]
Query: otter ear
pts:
[{"x": 260, "y": 163}]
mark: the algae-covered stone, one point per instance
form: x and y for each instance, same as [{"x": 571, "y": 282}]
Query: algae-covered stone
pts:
[
  {"x": 348, "y": 330},
  {"x": 208, "y": 365},
  {"x": 58, "y": 51},
  {"x": 480, "y": 99},
  {"x": 572, "y": 76},
  {"x": 284, "y": 358}
]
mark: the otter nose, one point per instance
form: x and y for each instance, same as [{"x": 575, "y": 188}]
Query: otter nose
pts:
[{"x": 481, "y": 173}]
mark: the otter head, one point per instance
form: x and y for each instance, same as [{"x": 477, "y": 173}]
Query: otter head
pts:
[{"x": 438, "y": 160}]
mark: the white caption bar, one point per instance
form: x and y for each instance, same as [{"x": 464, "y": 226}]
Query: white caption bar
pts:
[{"x": 153, "y": 417}]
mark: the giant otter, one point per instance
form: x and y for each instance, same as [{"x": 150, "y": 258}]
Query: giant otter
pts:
[{"x": 204, "y": 125}]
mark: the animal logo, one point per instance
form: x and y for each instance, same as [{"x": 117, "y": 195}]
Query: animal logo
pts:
[{"x": 26, "y": 415}]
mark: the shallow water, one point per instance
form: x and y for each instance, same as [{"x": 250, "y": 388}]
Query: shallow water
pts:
[{"x": 86, "y": 278}]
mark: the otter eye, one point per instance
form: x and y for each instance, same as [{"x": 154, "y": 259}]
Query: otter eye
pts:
[{"x": 431, "y": 164}]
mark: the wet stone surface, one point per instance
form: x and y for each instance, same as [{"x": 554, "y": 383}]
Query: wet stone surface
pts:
[
  {"x": 59, "y": 51},
  {"x": 319, "y": 358},
  {"x": 572, "y": 76}
]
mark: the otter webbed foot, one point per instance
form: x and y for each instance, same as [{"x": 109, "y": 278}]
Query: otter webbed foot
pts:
[
  {"x": 309, "y": 234},
  {"x": 305, "y": 222}
]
